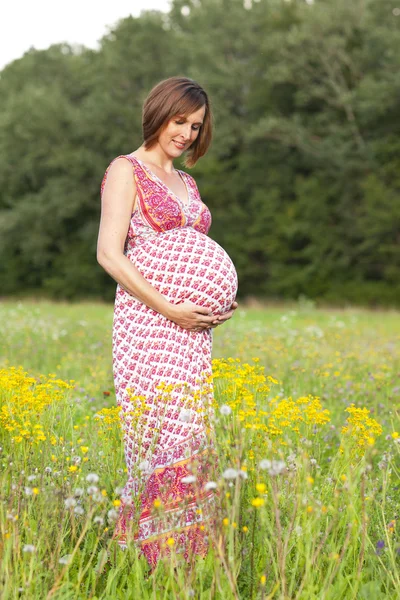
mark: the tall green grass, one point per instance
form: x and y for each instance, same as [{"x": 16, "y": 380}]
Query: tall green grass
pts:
[{"x": 308, "y": 511}]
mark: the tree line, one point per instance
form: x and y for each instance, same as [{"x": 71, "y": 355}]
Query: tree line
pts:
[{"x": 303, "y": 175}]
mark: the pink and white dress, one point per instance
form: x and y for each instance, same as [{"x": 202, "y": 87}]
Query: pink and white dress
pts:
[{"x": 168, "y": 443}]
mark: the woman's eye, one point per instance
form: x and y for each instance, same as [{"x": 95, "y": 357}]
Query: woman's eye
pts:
[{"x": 194, "y": 127}]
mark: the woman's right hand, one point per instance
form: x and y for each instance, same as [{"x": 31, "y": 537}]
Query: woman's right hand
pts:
[{"x": 190, "y": 316}]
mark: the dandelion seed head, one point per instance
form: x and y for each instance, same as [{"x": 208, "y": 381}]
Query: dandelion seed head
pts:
[
  {"x": 188, "y": 479},
  {"x": 144, "y": 466},
  {"x": 185, "y": 415},
  {"x": 64, "y": 560},
  {"x": 230, "y": 473},
  {"x": 265, "y": 464},
  {"x": 210, "y": 485},
  {"x": 69, "y": 502},
  {"x": 112, "y": 515}
]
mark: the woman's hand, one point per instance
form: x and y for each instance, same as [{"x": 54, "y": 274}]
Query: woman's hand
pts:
[
  {"x": 222, "y": 318},
  {"x": 190, "y": 316}
]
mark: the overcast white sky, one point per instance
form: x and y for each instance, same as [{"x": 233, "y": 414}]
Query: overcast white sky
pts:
[{"x": 40, "y": 23}]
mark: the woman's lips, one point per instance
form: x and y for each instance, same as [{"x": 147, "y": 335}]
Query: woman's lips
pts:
[{"x": 179, "y": 145}]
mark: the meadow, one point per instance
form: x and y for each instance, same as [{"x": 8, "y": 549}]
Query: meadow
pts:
[{"x": 307, "y": 405}]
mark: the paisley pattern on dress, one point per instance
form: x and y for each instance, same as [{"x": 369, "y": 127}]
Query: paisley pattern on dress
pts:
[{"x": 162, "y": 372}]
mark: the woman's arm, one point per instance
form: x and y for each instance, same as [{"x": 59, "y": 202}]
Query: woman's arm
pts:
[{"x": 117, "y": 205}]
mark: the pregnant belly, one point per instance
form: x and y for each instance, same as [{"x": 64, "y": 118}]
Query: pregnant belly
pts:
[{"x": 184, "y": 264}]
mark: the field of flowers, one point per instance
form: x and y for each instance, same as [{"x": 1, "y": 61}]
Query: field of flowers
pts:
[{"x": 307, "y": 427}]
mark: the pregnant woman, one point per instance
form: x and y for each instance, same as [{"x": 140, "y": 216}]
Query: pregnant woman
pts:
[{"x": 174, "y": 285}]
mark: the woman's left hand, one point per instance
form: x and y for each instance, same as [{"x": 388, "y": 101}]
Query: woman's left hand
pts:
[{"x": 222, "y": 318}]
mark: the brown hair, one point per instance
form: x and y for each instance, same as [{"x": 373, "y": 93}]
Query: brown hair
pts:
[{"x": 171, "y": 97}]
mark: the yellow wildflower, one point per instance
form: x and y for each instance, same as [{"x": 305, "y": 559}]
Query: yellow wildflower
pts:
[{"x": 257, "y": 502}]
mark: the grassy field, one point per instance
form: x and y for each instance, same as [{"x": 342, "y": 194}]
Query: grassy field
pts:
[{"x": 310, "y": 430}]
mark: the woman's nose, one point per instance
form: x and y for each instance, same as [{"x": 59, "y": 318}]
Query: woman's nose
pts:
[{"x": 187, "y": 132}]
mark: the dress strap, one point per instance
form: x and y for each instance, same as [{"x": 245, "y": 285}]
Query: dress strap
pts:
[{"x": 144, "y": 188}]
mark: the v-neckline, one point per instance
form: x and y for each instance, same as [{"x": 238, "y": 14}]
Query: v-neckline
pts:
[{"x": 184, "y": 204}]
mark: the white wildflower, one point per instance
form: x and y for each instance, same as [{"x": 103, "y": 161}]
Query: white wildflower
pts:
[
  {"x": 98, "y": 520},
  {"x": 64, "y": 560},
  {"x": 144, "y": 465},
  {"x": 28, "y": 548},
  {"x": 92, "y": 489},
  {"x": 274, "y": 467},
  {"x": 31, "y": 478},
  {"x": 210, "y": 485},
  {"x": 188, "y": 479},
  {"x": 97, "y": 497},
  {"x": 265, "y": 464},
  {"x": 112, "y": 515},
  {"x": 277, "y": 467},
  {"x": 185, "y": 415},
  {"x": 79, "y": 492},
  {"x": 230, "y": 473},
  {"x": 79, "y": 510},
  {"x": 225, "y": 410},
  {"x": 92, "y": 478},
  {"x": 70, "y": 502},
  {"x": 28, "y": 491}
]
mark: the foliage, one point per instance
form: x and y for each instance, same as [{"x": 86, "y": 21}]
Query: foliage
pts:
[{"x": 303, "y": 174}]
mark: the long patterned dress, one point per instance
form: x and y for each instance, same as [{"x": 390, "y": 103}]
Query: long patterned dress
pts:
[{"x": 162, "y": 372}]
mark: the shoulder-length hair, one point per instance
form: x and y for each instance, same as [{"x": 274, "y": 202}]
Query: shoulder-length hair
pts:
[{"x": 172, "y": 97}]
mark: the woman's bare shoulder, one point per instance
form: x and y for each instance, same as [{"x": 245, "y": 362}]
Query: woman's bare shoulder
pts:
[{"x": 119, "y": 173}]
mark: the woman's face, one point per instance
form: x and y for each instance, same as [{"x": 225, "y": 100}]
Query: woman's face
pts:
[{"x": 181, "y": 132}]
